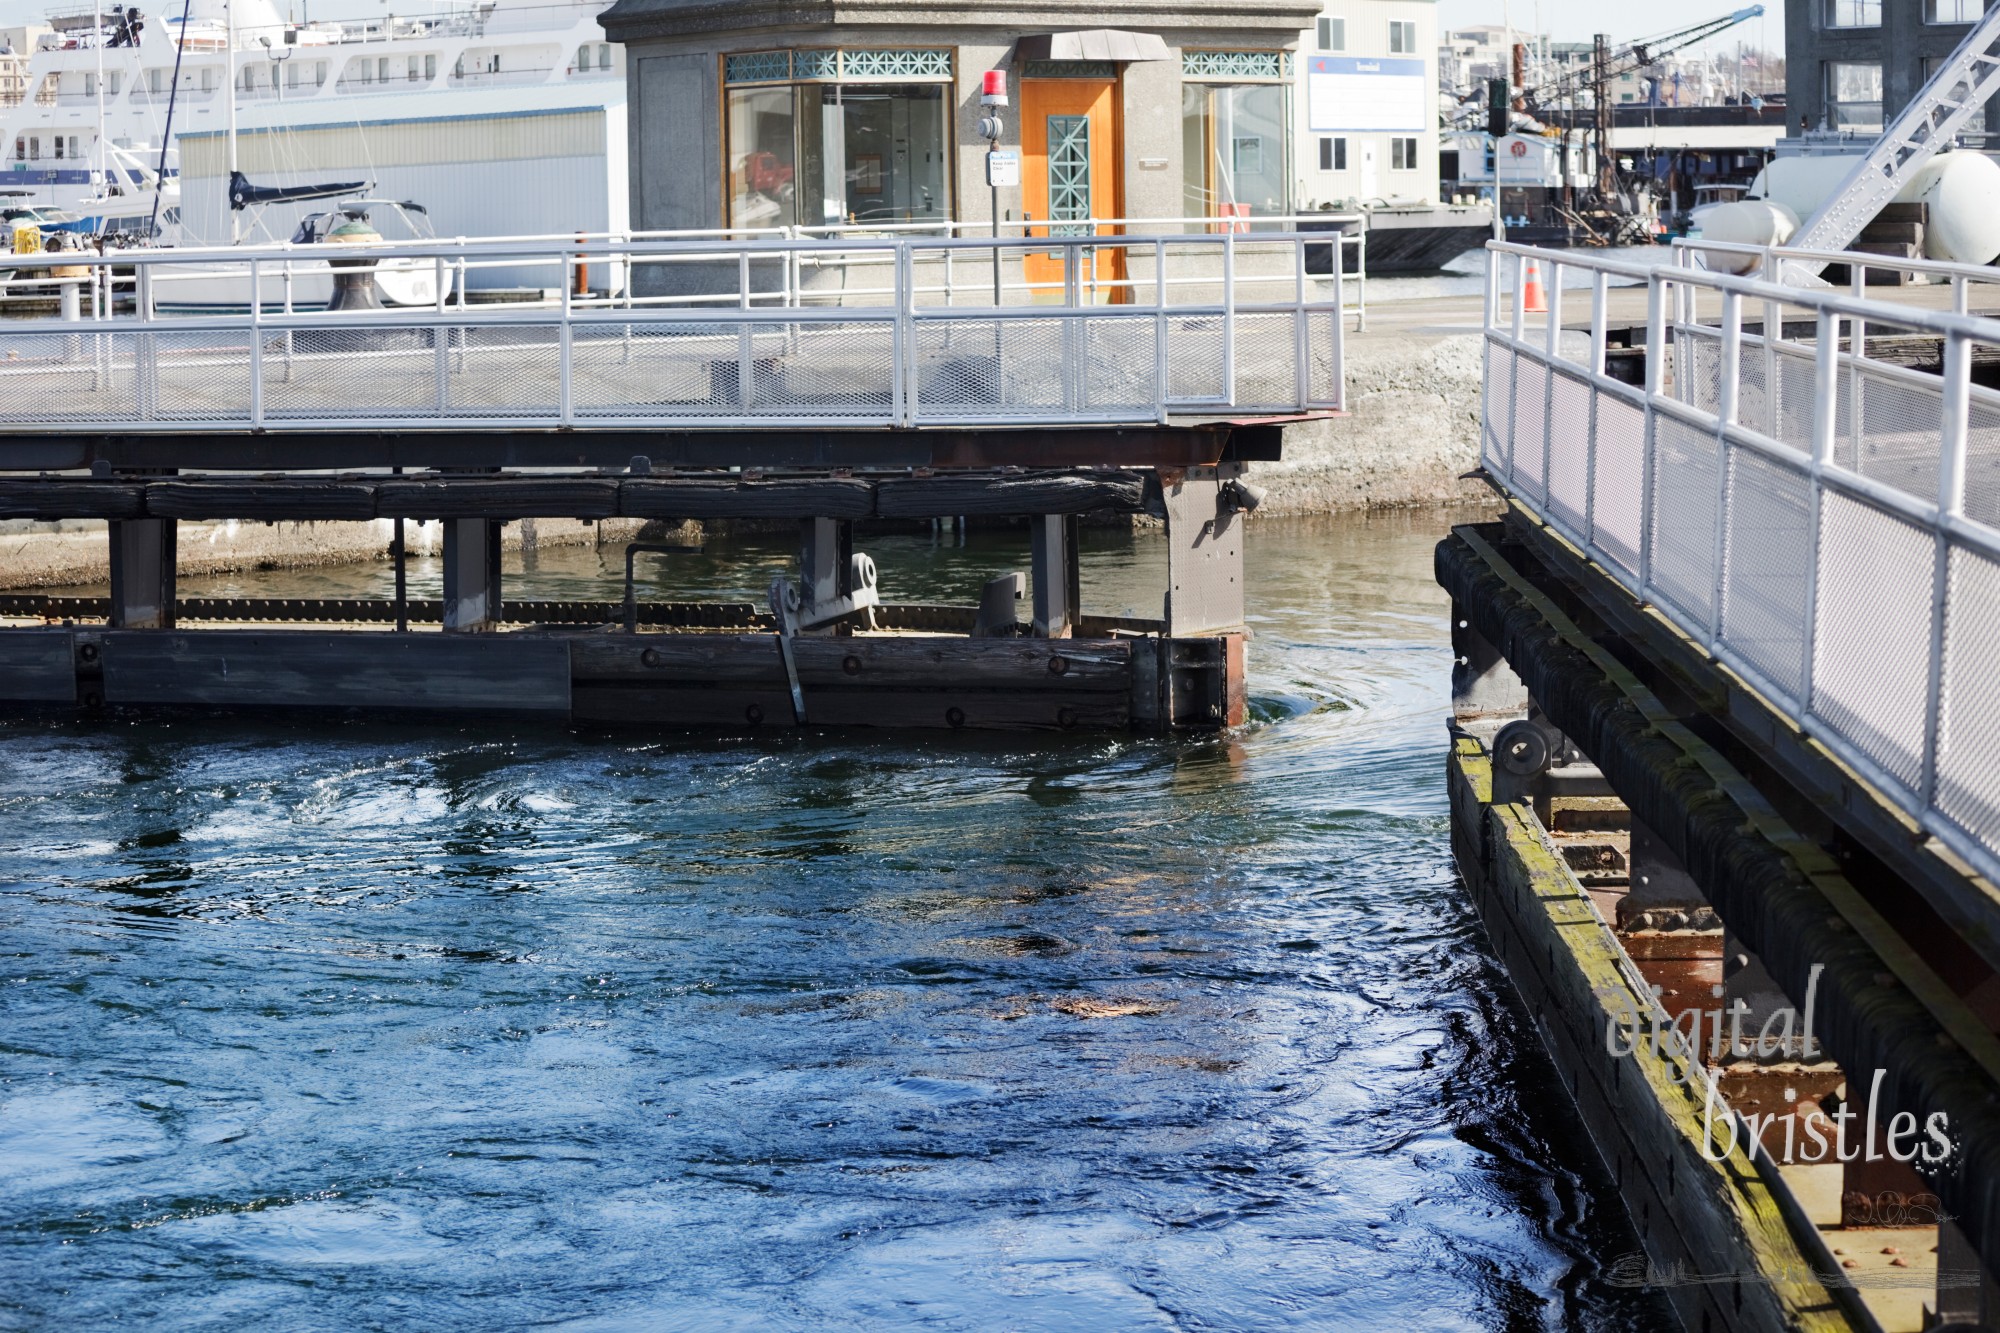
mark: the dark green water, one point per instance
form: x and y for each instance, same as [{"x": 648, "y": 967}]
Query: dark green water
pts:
[{"x": 406, "y": 1025}]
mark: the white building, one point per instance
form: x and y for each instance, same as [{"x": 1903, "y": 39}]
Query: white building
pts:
[{"x": 1367, "y": 104}]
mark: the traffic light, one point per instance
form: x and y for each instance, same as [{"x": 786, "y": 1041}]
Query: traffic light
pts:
[{"x": 1497, "y": 99}]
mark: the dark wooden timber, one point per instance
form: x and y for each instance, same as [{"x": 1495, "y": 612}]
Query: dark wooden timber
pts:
[
  {"x": 1179, "y": 445},
  {"x": 589, "y": 496}
]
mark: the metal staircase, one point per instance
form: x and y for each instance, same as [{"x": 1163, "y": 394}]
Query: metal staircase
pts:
[{"x": 1962, "y": 84}]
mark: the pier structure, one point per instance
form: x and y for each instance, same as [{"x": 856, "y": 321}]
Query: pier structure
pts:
[
  {"x": 1726, "y": 763},
  {"x": 824, "y": 383}
]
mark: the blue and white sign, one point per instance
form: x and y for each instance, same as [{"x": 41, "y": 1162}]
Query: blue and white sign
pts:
[{"x": 1352, "y": 93}]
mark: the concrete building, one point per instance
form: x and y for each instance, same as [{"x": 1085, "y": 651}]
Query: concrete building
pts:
[
  {"x": 1855, "y": 64},
  {"x": 1366, "y": 108},
  {"x": 767, "y": 113},
  {"x": 17, "y": 44}
]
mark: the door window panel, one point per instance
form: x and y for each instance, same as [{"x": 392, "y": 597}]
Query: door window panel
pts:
[{"x": 1233, "y": 149}]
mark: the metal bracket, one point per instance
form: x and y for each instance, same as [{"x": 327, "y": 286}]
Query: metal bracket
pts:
[
  {"x": 785, "y": 607},
  {"x": 860, "y": 597}
]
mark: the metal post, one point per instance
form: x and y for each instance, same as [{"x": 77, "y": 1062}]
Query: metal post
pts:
[
  {"x": 746, "y": 352},
  {"x": 1599, "y": 303},
  {"x": 1301, "y": 341},
  {"x": 256, "y": 347},
  {"x": 1826, "y": 409},
  {"x": 1950, "y": 504},
  {"x": 1161, "y": 374},
  {"x": 565, "y": 351},
  {"x": 1728, "y": 384},
  {"x": 1229, "y": 317},
  {"x": 1656, "y": 344}
]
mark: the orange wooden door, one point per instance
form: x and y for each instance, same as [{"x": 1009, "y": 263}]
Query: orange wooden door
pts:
[{"x": 1069, "y": 171}]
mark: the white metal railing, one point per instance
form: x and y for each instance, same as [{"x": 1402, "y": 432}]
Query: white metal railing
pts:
[
  {"x": 1124, "y": 329},
  {"x": 1825, "y": 523}
]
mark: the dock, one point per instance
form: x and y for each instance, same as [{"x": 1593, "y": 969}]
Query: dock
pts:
[
  {"x": 821, "y": 383},
  {"x": 1721, "y": 771}
]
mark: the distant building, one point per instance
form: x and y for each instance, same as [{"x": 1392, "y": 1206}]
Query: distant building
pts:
[
  {"x": 1367, "y": 106},
  {"x": 775, "y": 113},
  {"x": 17, "y": 44},
  {"x": 1855, "y": 64}
]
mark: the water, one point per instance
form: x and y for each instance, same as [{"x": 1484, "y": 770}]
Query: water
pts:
[{"x": 369, "y": 1025}]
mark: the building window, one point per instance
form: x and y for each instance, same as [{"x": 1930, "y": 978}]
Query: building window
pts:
[
  {"x": 1853, "y": 13},
  {"x": 1403, "y": 38},
  {"x": 1974, "y": 123},
  {"x": 822, "y": 154},
  {"x": 34, "y": 148},
  {"x": 430, "y": 67},
  {"x": 1233, "y": 149},
  {"x": 1332, "y": 34},
  {"x": 1854, "y": 96},
  {"x": 604, "y": 56},
  {"x": 155, "y": 81},
  {"x": 1332, "y": 153},
  {"x": 1402, "y": 154},
  {"x": 1952, "y": 11},
  {"x": 20, "y": 150}
]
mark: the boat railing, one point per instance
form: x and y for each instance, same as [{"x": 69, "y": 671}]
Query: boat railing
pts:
[{"x": 1806, "y": 484}]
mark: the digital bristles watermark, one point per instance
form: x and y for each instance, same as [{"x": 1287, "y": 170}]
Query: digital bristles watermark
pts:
[{"x": 1811, "y": 1134}]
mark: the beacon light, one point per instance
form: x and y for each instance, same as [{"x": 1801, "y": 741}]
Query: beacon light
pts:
[{"x": 993, "y": 88}]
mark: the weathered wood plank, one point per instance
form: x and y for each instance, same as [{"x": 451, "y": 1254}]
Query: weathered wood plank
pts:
[
  {"x": 51, "y": 498},
  {"x": 37, "y": 666},
  {"x": 1052, "y": 666},
  {"x": 287, "y": 498},
  {"x": 777, "y": 497},
  {"x": 946, "y": 495},
  {"x": 338, "y": 669},
  {"x": 628, "y": 703},
  {"x": 686, "y": 706},
  {"x": 498, "y": 497}
]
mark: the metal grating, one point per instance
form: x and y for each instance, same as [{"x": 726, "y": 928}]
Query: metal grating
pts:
[
  {"x": 1617, "y": 488},
  {"x": 1901, "y": 431},
  {"x": 1069, "y": 69},
  {"x": 1871, "y": 646},
  {"x": 816, "y": 63},
  {"x": 1496, "y": 377},
  {"x": 1569, "y": 447},
  {"x": 896, "y": 64},
  {"x": 1968, "y": 776},
  {"x": 1530, "y": 459},
  {"x": 1681, "y": 533},
  {"x": 1766, "y": 567},
  {"x": 1235, "y": 64},
  {"x": 757, "y": 67}
]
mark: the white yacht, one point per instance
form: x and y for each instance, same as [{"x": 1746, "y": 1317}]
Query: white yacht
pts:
[{"x": 507, "y": 118}]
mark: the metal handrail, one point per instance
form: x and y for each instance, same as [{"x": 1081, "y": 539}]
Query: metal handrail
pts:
[{"x": 1556, "y": 472}]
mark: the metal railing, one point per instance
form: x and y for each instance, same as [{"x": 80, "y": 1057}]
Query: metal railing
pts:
[
  {"x": 1825, "y": 523},
  {"x": 1172, "y": 336}
]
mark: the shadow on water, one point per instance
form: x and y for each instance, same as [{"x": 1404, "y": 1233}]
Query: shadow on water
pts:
[{"x": 361, "y": 1023}]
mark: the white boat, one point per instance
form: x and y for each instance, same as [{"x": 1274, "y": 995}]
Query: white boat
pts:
[{"x": 506, "y": 118}]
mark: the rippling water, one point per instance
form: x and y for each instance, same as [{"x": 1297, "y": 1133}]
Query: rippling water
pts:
[{"x": 368, "y": 1024}]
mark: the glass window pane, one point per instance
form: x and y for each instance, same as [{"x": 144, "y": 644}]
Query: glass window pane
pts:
[
  {"x": 1952, "y": 11},
  {"x": 893, "y": 142},
  {"x": 1854, "y": 96},
  {"x": 1853, "y": 13},
  {"x": 1974, "y": 123},
  {"x": 763, "y": 169},
  {"x": 1233, "y": 149}
]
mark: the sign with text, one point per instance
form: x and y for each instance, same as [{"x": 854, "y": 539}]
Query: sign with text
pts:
[
  {"x": 1347, "y": 93},
  {"x": 1003, "y": 167}
]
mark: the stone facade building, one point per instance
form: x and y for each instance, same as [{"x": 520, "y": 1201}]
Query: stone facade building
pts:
[
  {"x": 1855, "y": 64},
  {"x": 763, "y": 113}
]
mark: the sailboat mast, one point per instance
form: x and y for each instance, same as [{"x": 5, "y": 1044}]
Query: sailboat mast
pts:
[{"x": 229, "y": 25}]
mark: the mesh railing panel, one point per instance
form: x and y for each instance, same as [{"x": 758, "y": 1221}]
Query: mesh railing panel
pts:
[
  {"x": 1530, "y": 398},
  {"x": 1496, "y": 381},
  {"x": 311, "y": 375},
  {"x": 69, "y": 376},
  {"x": 1618, "y": 486},
  {"x": 1682, "y": 528},
  {"x": 1267, "y": 362},
  {"x": 1569, "y": 447},
  {"x": 1697, "y": 368},
  {"x": 1871, "y": 646},
  {"x": 1766, "y": 567},
  {"x": 1792, "y": 414},
  {"x": 1754, "y": 403},
  {"x": 1982, "y": 460},
  {"x": 1968, "y": 765},
  {"x": 1902, "y": 427},
  {"x": 1194, "y": 358}
]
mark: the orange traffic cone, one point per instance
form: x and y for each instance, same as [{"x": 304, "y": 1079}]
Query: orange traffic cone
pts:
[{"x": 1534, "y": 299}]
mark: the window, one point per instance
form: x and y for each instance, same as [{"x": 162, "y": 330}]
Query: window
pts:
[
  {"x": 34, "y": 148},
  {"x": 1952, "y": 11},
  {"x": 814, "y": 154},
  {"x": 1402, "y": 38},
  {"x": 1332, "y": 154},
  {"x": 112, "y": 83},
  {"x": 1854, "y": 96},
  {"x": 413, "y": 69},
  {"x": 1332, "y": 34},
  {"x": 430, "y": 67},
  {"x": 319, "y": 73},
  {"x": 208, "y": 79},
  {"x": 1233, "y": 149},
  {"x": 1402, "y": 154},
  {"x": 20, "y": 150},
  {"x": 1974, "y": 123},
  {"x": 156, "y": 81},
  {"x": 1853, "y": 13},
  {"x": 583, "y": 57},
  {"x": 604, "y": 56},
  {"x": 382, "y": 69},
  {"x": 59, "y": 147}
]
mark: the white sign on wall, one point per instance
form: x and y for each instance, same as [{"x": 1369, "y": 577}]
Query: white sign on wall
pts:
[{"x": 1348, "y": 93}]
